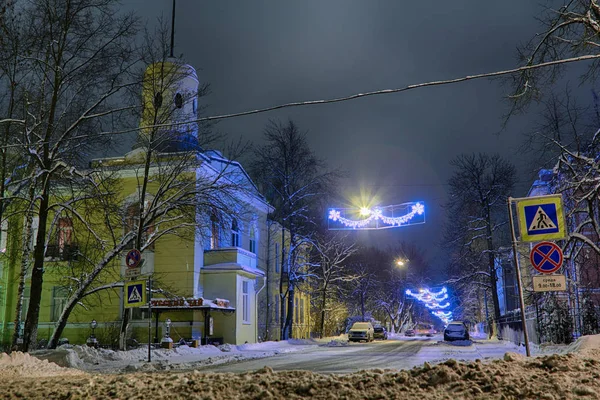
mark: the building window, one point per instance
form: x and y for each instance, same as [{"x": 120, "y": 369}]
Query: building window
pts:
[
  {"x": 214, "y": 229},
  {"x": 137, "y": 313},
  {"x": 235, "y": 233},
  {"x": 276, "y": 313},
  {"x": 276, "y": 257},
  {"x": 195, "y": 105},
  {"x": 178, "y": 100},
  {"x": 302, "y": 311},
  {"x": 245, "y": 303},
  {"x": 252, "y": 244},
  {"x": 296, "y": 310},
  {"x": 60, "y": 295},
  {"x": 158, "y": 99},
  {"x": 65, "y": 233},
  {"x": 132, "y": 223}
]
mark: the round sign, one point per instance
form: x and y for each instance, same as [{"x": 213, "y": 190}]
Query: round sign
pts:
[
  {"x": 133, "y": 258},
  {"x": 546, "y": 257}
]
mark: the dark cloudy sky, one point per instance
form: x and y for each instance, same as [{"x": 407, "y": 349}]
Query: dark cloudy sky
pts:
[{"x": 396, "y": 147}]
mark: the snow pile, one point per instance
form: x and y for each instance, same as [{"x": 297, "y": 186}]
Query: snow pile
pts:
[
  {"x": 548, "y": 377},
  {"x": 19, "y": 364}
]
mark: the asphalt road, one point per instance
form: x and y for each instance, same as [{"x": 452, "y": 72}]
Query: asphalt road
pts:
[{"x": 396, "y": 354}]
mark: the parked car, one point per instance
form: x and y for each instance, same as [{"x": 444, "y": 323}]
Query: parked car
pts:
[
  {"x": 456, "y": 330},
  {"x": 379, "y": 332},
  {"x": 361, "y": 331},
  {"x": 409, "y": 332},
  {"x": 425, "y": 330}
]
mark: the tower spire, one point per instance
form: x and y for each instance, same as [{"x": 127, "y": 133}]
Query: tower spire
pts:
[{"x": 173, "y": 29}]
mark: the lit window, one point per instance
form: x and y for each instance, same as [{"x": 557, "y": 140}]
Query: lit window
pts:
[
  {"x": 65, "y": 234},
  {"x": 235, "y": 233},
  {"x": 252, "y": 244},
  {"x": 301, "y": 311},
  {"x": 245, "y": 303}
]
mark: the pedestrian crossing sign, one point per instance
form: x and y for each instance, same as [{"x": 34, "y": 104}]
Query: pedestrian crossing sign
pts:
[
  {"x": 541, "y": 218},
  {"x": 135, "y": 294}
]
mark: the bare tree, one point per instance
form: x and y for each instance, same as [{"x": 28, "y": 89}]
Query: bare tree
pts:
[
  {"x": 476, "y": 215},
  {"x": 331, "y": 271},
  {"x": 76, "y": 62},
  {"x": 293, "y": 179}
]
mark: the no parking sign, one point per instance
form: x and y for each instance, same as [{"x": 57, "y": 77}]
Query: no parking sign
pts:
[{"x": 546, "y": 257}]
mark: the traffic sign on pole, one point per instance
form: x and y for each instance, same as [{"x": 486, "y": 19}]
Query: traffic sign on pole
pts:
[
  {"x": 133, "y": 258},
  {"x": 135, "y": 294},
  {"x": 546, "y": 257},
  {"x": 541, "y": 218}
]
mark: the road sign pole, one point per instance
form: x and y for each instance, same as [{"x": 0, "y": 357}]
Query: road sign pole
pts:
[
  {"x": 149, "y": 319},
  {"x": 518, "y": 271}
]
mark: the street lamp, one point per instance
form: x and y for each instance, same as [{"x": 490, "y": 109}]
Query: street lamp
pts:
[
  {"x": 166, "y": 341},
  {"x": 92, "y": 341}
]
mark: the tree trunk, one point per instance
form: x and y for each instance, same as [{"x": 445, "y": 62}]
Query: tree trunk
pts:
[
  {"x": 37, "y": 273},
  {"x": 281, "y": 280},
  {"x": 492, "y": 266},
  {"x": 323, "y": 304},
  {"x": 289, "y": 320},
  {"x": 27, "y": 238},
  {"x": 362, "y": 304}
]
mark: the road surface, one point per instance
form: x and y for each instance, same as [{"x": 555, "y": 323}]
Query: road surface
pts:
[{"x": 397, "y": 354}]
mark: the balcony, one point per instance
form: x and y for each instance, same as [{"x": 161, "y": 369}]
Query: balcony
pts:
[
  {"x": 230, "y": 255},
  {"x": 67, "y": 252}
]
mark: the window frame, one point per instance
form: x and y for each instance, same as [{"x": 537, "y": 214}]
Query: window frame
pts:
[
  {"x": 60, "y": 296},
  {"x": 235, "y": 233},
  {"x": 252, "y": 239},
  {"x": 245, "y": 301}
]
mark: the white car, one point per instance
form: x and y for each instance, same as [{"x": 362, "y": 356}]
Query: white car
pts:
[{"x": 361, "y": 331}]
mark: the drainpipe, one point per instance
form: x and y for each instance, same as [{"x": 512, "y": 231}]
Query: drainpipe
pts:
[{"x": 256, "y": 306}]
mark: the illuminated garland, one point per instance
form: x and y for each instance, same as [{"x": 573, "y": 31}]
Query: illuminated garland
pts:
[
  {"x": 445, "y": 316},
  {"x": 427, "y": 296},
  {"x": 432, "y": 300},
  {"x": 374, "y": 215}
]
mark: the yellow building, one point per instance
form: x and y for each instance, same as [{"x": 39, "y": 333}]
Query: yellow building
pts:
[{"x": 206, "y": 274}]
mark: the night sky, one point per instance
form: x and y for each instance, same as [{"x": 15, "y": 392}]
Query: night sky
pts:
[{"x": 396, "y": 147}]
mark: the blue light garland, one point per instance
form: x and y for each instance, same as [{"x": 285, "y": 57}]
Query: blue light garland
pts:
[{"x": 376, "y": 218}]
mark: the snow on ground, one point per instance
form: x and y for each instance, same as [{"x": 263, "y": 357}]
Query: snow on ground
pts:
[
  {"x": 557, "y": 376},
  {"x": 181, "y": 357}
]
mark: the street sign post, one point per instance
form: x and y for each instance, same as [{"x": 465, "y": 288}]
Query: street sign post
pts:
[
  {"x": 546, "y": 257},
  {"x": 135, "y": 294},
  {"x": 518, "y": 272},
  {"x": 541, "y": 218},
  {"x": 549, "y": 283}
]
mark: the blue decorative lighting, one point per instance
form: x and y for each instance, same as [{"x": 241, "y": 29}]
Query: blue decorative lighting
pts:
[
  {"x": 432, "y": 300},
  {"x": 377, "y": 218}
]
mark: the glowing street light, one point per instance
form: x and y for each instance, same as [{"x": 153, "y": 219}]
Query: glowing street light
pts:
[{"x": 365, "y": 212}]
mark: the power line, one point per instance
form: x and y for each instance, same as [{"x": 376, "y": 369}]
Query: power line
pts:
[{"x": 342, "y": 99}]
